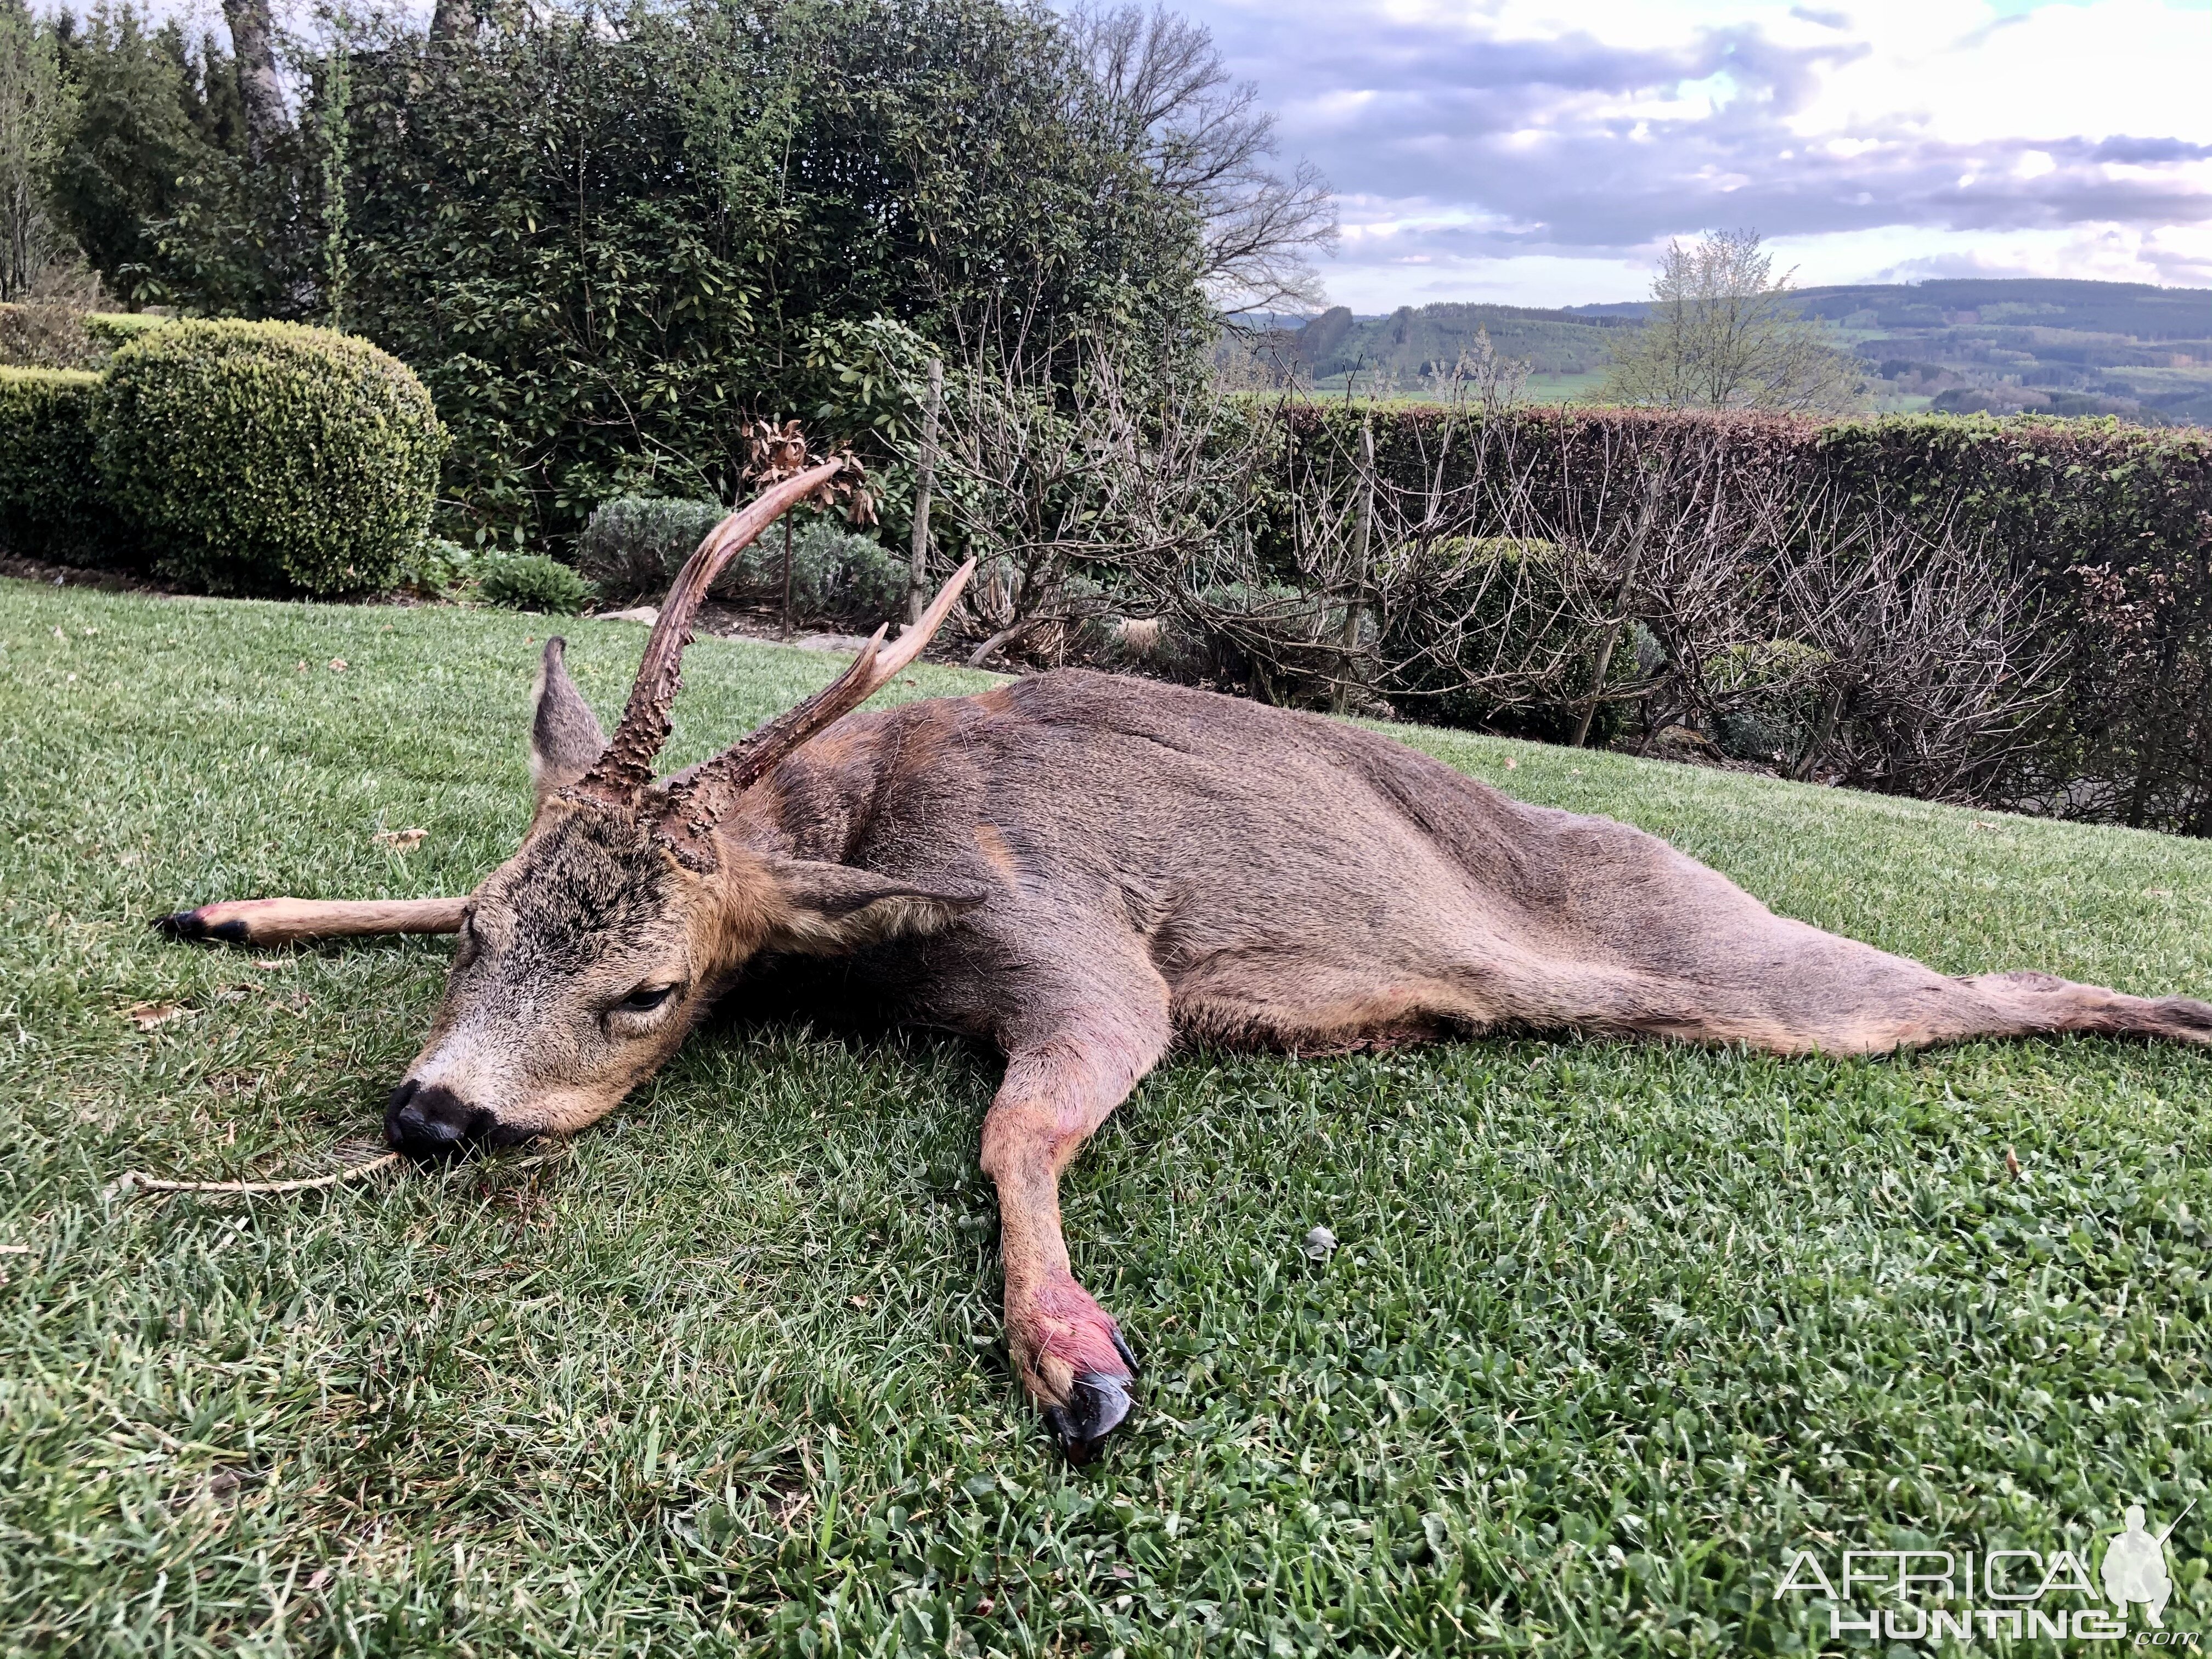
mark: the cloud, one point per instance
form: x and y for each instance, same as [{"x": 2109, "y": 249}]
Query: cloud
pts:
[{"x": 1484, "y": 149}]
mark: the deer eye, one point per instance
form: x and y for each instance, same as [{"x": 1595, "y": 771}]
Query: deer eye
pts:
[{"x": 644, "y": 999}]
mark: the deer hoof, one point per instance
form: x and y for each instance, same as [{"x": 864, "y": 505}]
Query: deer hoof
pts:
[
  {"x": 1096, "y": 1403},
  {"x": 192, "y": 925}
]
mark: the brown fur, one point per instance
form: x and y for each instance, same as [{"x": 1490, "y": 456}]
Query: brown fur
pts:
[{"x": 1077, "y": 869}]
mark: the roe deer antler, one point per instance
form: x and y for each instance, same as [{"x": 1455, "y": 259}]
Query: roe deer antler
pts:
[
  {"x": 624, "y": 772},
  {"x": 696, "y": 802}
]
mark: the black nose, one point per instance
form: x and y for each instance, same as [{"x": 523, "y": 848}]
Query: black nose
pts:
[{"x": 425, "y": 1122}]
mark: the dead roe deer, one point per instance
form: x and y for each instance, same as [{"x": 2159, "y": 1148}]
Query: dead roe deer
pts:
[{"x": 1078, "y": 868}]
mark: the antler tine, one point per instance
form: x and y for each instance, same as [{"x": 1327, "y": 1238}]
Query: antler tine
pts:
[
  {"x": 711, "y": 788},
  {"x": 625, "y": 769}
]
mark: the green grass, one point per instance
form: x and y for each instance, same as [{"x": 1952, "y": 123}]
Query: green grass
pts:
[{"x": 1613, "y": 1329}]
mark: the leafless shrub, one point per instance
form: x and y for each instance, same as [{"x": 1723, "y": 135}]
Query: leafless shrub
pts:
[
  {"x": 1925, "y": 654},
  {"x": 44, "y": 327},
  {"x": 1077, "y": 493},
  {"x": 1510, "y": 571}
]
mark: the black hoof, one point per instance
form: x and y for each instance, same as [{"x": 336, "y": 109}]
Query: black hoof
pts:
[
  {"x": 187, "y": 924},
  {"x": 1122, "y": 1348},
  {"x": 1095, "y": 1406}
]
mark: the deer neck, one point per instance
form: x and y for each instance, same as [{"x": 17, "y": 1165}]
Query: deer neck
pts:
[{"x": 817, "y": 804}]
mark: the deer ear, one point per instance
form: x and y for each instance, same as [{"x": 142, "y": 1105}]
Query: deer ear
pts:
[
  {"x": 827, "y": 908},
  {"x": 565, "y": 737}
]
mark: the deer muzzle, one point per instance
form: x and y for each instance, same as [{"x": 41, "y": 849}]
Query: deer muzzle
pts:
[{"x": 431, "y": 1120}]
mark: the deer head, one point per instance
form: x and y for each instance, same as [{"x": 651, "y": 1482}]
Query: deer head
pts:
[{"x": 586, "y": 957}]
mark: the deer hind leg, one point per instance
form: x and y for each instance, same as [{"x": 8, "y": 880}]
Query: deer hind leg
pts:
[
  {"x": 292, "y": 922},
  {"x": 2031, "y": 1002},
  {"x": 1060, "y": 1083},
  {"x": 1804, "y": 990},
  {"x": 1776, "y": 984}
]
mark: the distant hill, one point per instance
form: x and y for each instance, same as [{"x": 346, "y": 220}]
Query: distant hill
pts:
[
  {"x": 1405, "y": 352},
  {"x": 2004, "y": 344}
]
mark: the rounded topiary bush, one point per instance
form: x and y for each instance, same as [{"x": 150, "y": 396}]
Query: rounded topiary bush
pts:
[{"x": 268, "y": 457}]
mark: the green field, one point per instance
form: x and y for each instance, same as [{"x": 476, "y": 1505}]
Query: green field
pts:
[
  {"x": 2008, "y": 345},
  {"x": 1612, "y": 1331}
]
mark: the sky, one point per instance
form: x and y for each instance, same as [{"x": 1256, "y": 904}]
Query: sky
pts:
[{"x": 1539, "y": 152}]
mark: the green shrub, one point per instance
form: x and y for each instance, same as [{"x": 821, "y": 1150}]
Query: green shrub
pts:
[
  {"x": 633, "y": 546},
  {"x": 438, "y": 568},
  {"x": 50, "y": 503},
  {"x": 531, "y": 581},
  {"x": 1517, "y": 622},
  {"x": 113, "y": 329},
  {"x": 2105, "y": 524},
  {"x": 60, "y": 333},
  {"x": 1770, "y": 694},
  {"x": 268, "y": 457},
  {"x": 835, "y": 575}
]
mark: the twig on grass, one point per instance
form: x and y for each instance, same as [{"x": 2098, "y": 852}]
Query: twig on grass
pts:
[{"x": 136, "y": 1181}]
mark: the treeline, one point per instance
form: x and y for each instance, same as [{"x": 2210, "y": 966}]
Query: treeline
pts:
[
  {"x": 2016, "y": 613},
  {"x": 605, "y": 239}
]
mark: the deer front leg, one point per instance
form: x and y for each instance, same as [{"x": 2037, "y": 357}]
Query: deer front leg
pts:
[
  {"x": 290, "y": 920},
  {"x": 1068, "y": 1349}
]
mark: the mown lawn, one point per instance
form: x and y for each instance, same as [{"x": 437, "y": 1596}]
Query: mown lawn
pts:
[{"x": 1613, "y": 1329}]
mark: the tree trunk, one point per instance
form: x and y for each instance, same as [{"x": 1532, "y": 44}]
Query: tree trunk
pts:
[
  {"x": 786, "y": 575},
  {"x": 917, "y": 586},
  {"x": 450, "y": 19},
  {"x": 253, "y": 41},
  {"x": 1349, "y": 642}
]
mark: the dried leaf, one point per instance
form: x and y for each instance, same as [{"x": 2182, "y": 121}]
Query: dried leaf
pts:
[
  {"x": 148, "y": 1016},
  {"x": 399, "y": 841},
  {"x": 337, "y": 664}
]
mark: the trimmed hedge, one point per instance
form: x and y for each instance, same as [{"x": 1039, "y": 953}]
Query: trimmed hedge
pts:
[
  {"x": 50, "y": 503},
  {"x": 266, "y": 456},
  {"x": 53, "y": 335},
  {"x": 2111, "y": 524},
  {"x": 119, "y": 328}
]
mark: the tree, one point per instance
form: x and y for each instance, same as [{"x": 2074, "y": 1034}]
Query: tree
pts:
[
  {"x": 132, "y": 140},
  {"x": 1211, "y": 147},
  {"x": 608, "y": 242},
  {"x": 34, "y": 116},
  {"x": 1722, "y": 333},
  {"x": 253, "y": 49}
]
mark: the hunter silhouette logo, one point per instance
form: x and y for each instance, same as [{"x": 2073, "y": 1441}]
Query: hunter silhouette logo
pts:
[
  {"x": 2134, "y": 1566},
  {"x": 1945, "y": 1595}
]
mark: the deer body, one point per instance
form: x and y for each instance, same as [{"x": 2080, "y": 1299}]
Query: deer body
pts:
[{"x": 1078, "y": 868}]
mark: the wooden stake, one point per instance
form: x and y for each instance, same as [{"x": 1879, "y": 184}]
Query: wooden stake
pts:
[
  {"x": 1350, "y": 642},
  {"x": 917, "y": 586}
]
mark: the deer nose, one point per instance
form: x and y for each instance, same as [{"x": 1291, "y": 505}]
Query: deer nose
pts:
[{"x": 424, "y": 1122}]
